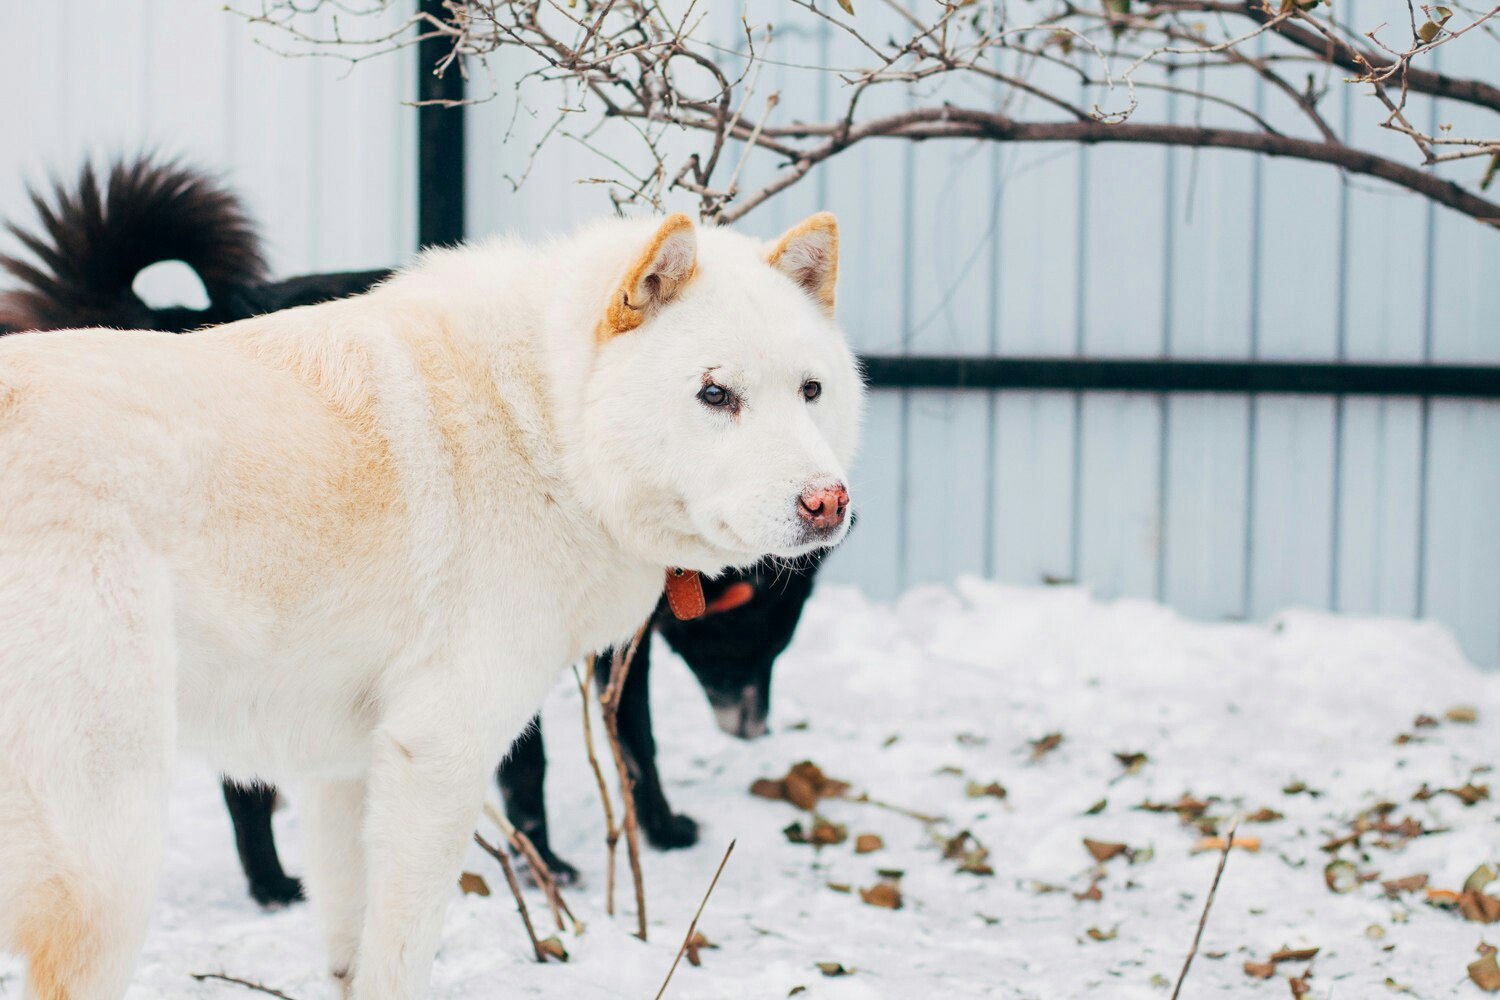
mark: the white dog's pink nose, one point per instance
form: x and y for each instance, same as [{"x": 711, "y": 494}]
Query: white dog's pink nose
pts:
[{"x": 823, "y": 507}]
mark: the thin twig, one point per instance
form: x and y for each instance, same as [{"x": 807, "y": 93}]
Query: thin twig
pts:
[
  {"x": 200, "y": 976},
  {"x": 515, "y": 889},
  {"x": 611, "y": 831},
  {"x": 1207, "y": 905},
  {"x": 609, "y": 701},
  {"x": 523, "y": 846},
  {"x": 688, "y": 938}
]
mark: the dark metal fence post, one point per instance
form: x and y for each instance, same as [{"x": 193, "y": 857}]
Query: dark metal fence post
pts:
[{"x": 440, "y": 142}]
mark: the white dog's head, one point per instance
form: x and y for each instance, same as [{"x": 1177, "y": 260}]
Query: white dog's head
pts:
[{"x": 722, "y": 406}]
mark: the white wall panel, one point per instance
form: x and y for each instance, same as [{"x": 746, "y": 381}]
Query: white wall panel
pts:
[{"x": 324, "y": 156}]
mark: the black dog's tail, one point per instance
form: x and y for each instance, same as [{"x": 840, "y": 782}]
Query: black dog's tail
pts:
[{"x": 93, "y": 241}]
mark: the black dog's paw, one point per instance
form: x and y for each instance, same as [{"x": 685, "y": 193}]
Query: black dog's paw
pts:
[
  {"x": 276, "y": 891},
  {"x": 563, "y": 873},
  {"x": 673, "y": 831}
]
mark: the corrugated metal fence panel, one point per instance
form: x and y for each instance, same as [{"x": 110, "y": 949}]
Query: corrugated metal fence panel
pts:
[
  {"x": 1224, "y": 506},
  {"x": 324, "y": 157}
]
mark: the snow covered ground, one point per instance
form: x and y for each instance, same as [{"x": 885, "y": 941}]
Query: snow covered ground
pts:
[{"x": 911, "y": 704}]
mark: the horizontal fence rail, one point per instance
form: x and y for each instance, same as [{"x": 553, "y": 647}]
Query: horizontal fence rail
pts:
[{"x": 1138, "y": 375}]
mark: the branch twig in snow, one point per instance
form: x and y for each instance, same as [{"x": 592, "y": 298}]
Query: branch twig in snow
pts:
[
  {"x": 611, "y": 832},
  {"x": 1207, "y": 905},
  {"x": 694, "y": 925},
  {"x": 544, "y": 878},
  {"x": 515, "y": 888},
  {"x": 200, "y": 976},
  {"x": 609, "y": 701}
]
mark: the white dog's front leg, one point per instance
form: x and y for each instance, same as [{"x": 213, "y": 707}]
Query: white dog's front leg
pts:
[
  {"x": 336, "y": 870},
  {"x": 426, "y": 785}
]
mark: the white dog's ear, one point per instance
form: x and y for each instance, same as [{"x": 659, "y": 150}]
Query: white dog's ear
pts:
[
  {"x": 808, "y": 253},
  {"x": 656, "y": 277}
]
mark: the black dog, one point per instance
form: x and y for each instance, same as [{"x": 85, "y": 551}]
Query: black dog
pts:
[
  {"x": 731, "y": 650},
  {"x": 92, "y": 244}
]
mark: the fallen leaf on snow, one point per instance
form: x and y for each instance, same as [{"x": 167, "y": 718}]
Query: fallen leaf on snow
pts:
[
  {"x": 1132, "y": 762},
  {"x": 1260, "y": 970},
  {"x": 994, "y": 790},
  {"x": 1095, "y": 934},
  {"x": 694, "y": 946},
  {"x": 1484, "y": 971},
  {"x": 1341, "y": 876},
  {"x": 1412, "y": 883},
  {"x": 1463, "y": 714},
  {"x": 1103, "y": 850},
  {"x": 822, "y": 834},
  {"x": 882, "y": 894},
  {"x": 1264, "y": 816},
  {"x": 473, "y": 885},
  {"x": 867, "y": 842},
  {"x": 1042, "y": 747},
  {"x": 1096, "y": 808},
  {"x": 553, "y": 948},
  {"x": 1251, "y": 844},
  {"x": 803, "y": 786},
  {"x": 1294, "y": 955},
  {"x": 832, "y": 969},
  {"x": 1300, "y": 985}
]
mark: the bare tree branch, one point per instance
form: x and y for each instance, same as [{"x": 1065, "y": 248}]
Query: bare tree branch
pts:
[{"x": 660, "y": 98}]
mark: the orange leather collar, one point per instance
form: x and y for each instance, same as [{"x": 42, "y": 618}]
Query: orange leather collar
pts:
[{"x": 685, "y": 594}]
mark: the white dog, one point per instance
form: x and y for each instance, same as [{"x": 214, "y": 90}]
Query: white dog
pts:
[{"x": 354, "y": 544}]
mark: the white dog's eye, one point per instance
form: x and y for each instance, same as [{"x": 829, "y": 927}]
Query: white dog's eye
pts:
[
  {"x": 715, "y": 395},
  {"x": 812, "y": 389}
]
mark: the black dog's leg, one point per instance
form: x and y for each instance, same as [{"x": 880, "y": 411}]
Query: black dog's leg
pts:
[
  {"x": 250, "y": 810},
  {"x": 522, "y": 776},
  {"x": 664, "y": 829}
]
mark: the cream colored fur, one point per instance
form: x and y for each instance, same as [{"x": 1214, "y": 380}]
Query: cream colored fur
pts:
[{"x": 352, "y": 545}]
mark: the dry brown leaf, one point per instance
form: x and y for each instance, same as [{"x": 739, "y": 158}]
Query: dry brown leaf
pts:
[
  {"x": 1411, "y": 883},
  {"x": 553, "y": 948},
  {"x": 1300, "y": 985},
  {"x": 1090, "y": 895},
  {"x": 1463, "y": 714},
  {"x": 1095, "y": 934},
  {"x": 844, "y": 887},
  {"x": 1443, "y": 897},
  {"x": 1479, "y": 878},
  {"x": 767, "y": 789},
  {"x": 473, "y": 885},
  {"x": 1484, "y": 971},
  {"x": 994, "y": 790},
  {"x": 832, "y": 969},
  {"x": 1103, "y": 850},
  {"x": 803, "y": 786},
  {"x": 882, "y": 894},
  {"x": 1424, "y": 722},
  {"x": 1250, "y": 844},
  {"x": 1264, "y": 816},
  {"x": 1132, "y": 762},
  {"x": 1294, "y": 955},
  {"x": 867, "y": 842},
  {"x": 696, "y": 944},
  {"x": 848, "y": 6},
  {"x": 822, "y": 834},
  {"x": 1042, "y": 747},
  {"x": 1260, "y": 970},
  {"x": 1479, "y": 907}
]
